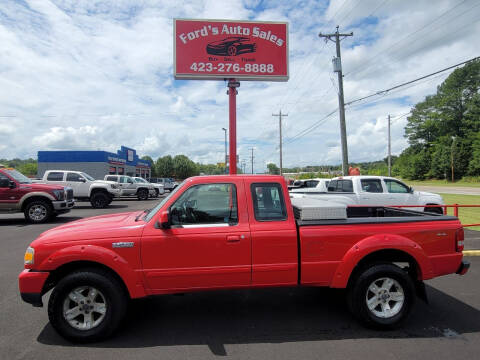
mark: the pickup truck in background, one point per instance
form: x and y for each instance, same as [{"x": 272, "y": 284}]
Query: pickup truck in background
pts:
[
  {"x": 129, "y": 187},
  {"x": 100, "y": 193},
  {"x": 375, "y": 191},
  {"x": 168, "y": 183},
  {"x": 226, "y": 232},
  {"x": 38, "y": 202},
  {"x": 317, "y": 185},
  {"x": 159, "y": 189}
]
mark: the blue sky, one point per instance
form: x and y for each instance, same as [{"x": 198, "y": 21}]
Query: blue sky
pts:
[{"x": 98, "y": 74}]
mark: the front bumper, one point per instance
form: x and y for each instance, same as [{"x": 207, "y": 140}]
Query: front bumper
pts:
[
  {"x": 63, "y": 205},
  {"x": 31, "y": 284},
  {"x": 463, "y": 268}
]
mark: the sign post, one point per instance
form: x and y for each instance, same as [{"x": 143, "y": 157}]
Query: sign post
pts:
[{"x": 233, "y": 50}]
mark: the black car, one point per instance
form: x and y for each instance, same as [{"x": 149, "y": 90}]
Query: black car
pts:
[{"x": 231, "y": 46}]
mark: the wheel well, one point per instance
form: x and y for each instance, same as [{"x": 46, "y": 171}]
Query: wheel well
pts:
[
  {"x": 142, "y": 188},
  {"x": 101, "y": 190},
  {"x": 60, "y": 272},
  {"x": 35, "y": 198},
  {"x": 388, "y": 256},
  {"x": 433, "y": 209}
]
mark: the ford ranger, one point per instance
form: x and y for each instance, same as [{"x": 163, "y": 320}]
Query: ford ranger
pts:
[{"x": 226, "y": 232}]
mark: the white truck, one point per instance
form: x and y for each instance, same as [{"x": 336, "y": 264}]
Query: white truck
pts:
[
  {"x": 129, "y": 187},
  {"x": 100, "y": 193},
  {"x": 159, "y": 188},
  {"x": 307, "y": 186},
  {"x": 375, "y": 190}
]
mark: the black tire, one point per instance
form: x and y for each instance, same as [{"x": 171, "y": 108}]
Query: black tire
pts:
[
  {"x": 358, "y": 294},
  {"x": 100, "y": 200},
  {"x": 157, "y": 193},
  {"x": 232, "y": 50},
  {"x": 111, "y": 290},
  {"x": 142, "y": 194},
  {"x": 434, "y": 210},
  {"x": 38, "y": 211}
]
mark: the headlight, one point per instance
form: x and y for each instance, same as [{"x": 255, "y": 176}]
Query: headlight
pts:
[
  {"x": 59, "y": 194},
  {"x": 114, "y": 186},
  {"x": 29, "y": 256}
]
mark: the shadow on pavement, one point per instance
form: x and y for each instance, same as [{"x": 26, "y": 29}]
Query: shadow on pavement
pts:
[
  {"x": 61, "y": 219},
  {"x": 116, "y": 206},
  {"x": 269, "y": 316}
]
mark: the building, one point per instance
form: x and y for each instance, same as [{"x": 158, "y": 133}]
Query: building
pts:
[{"x": 95, "y": 163}]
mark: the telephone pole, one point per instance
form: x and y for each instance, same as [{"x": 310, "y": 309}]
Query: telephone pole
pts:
[
  {"x": 389, "y": 149},
  {"x": 251, "y": 157},
  {"x": 337, "y": 67},
  {"x": 280, "y": 127}
]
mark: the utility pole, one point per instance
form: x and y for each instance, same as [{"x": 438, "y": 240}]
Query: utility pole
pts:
[
  {"x": 280, "y": 127},
  {"x": 225, "y": 149},
  {"x": 337, "y": 67},
  {"x": 389, "y": 149},
  {"x": 251, "y": 157}
]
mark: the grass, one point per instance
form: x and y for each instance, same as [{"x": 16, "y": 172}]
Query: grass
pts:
[
  {"x": 460, "y": 183},
  {"x": 466, "y": 215}
]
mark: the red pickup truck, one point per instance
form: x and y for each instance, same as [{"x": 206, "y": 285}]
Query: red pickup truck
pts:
[{"x": 225, "y": 232}]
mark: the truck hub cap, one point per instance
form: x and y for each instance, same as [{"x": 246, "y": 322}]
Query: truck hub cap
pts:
[
  {"x": 84, "y": 308},
  {"x": 37, "y": 212},
  {"x": 385, "y": 297}
]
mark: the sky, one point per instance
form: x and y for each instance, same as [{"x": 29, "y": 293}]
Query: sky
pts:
[{"x": 95, "y": 75}]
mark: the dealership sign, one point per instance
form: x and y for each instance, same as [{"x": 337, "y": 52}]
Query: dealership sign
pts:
[{"x": 220, "y": 49}]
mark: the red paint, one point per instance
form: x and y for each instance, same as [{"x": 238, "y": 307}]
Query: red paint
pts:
[
  {"x": 250, "y": 254},
  {"x": 232, "y": 107},
  {"x": 219, "y": 49}
]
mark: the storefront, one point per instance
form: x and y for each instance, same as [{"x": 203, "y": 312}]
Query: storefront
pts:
[{"x": 95, "y": 163}]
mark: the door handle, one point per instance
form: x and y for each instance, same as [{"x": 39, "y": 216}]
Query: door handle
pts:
[{"x": 233, "y": 238}]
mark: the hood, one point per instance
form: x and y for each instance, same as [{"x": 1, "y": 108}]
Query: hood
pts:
[
  {"x": 40, "y": 187},
  {"x": 98, "y": 227},
  {"x": 429, "y": 194}
]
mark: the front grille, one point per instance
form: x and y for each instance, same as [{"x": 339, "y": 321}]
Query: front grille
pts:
[{"x": 69, "y": 194}]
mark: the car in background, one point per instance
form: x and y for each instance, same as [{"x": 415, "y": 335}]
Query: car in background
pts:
[
  {"x": 129, "y": 187},
  {"x": 159, "y": 189},
  {"x": 317, "y": 185},
  {"x": 168, "y": 183},
  {"x": 38, "y": 202}
]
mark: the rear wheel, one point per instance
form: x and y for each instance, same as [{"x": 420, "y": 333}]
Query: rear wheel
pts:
[
  {"x": 382, "y": 296},
  {"x": 142, "y": 194},
  {"x": 38, "y": 211},
  {"x": 87, "y": 305},
  {"x": 100, "y": 200}
]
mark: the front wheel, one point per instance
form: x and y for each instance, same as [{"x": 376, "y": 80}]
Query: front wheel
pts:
[
  {"x": 99, "y": 200},
  {"x": 38, "y": 211},
  {"x": 87, "y": 305},
  {"x": 142, "y": 194},
  {"x": 382, "y": 296}
]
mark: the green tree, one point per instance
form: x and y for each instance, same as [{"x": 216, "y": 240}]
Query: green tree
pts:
[
  {"x": 28, "y": 168},
  {"x": 273, "y": 169},
  {"x": 164, "y": 166},
  {"x": 184, "y": 167},
  {"x": 474, "y": 164}
]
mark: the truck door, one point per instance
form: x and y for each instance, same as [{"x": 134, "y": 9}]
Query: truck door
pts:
[
  {"x": 372, "y": 193},
  {"x": 8, "y": 196},
  {"x": 208, "y": 244},
  {"x": 274, "y": 236},
  {"x": 78, "y": 183},
  {"x": 400, "y": 194}
]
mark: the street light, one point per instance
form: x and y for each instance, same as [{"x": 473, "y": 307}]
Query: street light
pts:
[{"x": 225, "y": 149}]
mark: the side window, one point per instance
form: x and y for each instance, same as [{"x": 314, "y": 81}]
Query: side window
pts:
[
  {"x": 396, "y": 187},
  {"x": 268, "y": 203},
  {"x": 206, "y": 204},
  {"x": 4, "y": 181},
  {"x": 332, "y": 185},
  {"x": 371, "y": 185},
  {"x": 311, "y": 183},
  {"x": 74, "y": 177},
  {"x": 55, "y": 176},
  {"x": 347, "y": 185},
  {"x": 123, "y": 179},
  {"x": 111, "y": 178}
]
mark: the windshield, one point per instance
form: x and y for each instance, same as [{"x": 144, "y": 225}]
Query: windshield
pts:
[
  {"x": 22, "y": 179},
  {"x": 152, "y": 212},
  {"x": 140, "y": 180},
  {"x": 88, "y": 177}
]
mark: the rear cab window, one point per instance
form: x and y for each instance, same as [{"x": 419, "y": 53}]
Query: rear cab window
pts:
[
  {"x": 268, "y": 202},
  {"x": 341, "y": 185},
  {"x": 112, "y": 178},
  {"x": 55, "y": 176}
]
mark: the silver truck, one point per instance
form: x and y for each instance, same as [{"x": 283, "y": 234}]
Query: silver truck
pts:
[{"x": 129, "y": 187}]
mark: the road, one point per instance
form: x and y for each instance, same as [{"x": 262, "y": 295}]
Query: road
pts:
[
  {"x": 283, "y": 323},
  {"x": 449, "y": 190}
]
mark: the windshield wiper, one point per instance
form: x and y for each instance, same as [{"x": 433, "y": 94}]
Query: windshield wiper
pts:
[{"x": 146, "y": 211}]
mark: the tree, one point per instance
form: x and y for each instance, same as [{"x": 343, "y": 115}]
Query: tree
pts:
[
  {"x": 164, "y": 166},
  {"x": 184, "y": 167},
  {"x": 273, "y": 169},
  {"x": 28, "y": 168}
]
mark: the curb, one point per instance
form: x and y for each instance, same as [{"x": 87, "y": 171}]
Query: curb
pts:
[{"x": 471, "y": 252}]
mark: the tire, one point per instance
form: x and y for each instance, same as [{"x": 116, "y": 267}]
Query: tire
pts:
[
  {"x": 38, "y": 211},
  {"x": 232, "y": 50},
  {"x": 382, "y": 296},
  {"x": 142, "y": 194},
  {"x": 157, "y": 192},
  {"x": 99, "y": 200},
  {"x": 105, "y": 308}
]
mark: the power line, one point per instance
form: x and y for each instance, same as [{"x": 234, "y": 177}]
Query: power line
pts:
[{"x": 409, "y": 82}]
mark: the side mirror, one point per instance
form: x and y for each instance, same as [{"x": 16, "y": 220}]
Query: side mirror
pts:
[
  {"x": 83, "y": 180},
  {"x": 411, "y": 190},
  {"x": 12, "y": 185},
  {"x": 164, "y": 220},
  {"x": 130, "y": 181}
]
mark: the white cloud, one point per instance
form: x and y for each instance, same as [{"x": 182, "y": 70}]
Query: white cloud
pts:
[{"x": 97, "y": 75}]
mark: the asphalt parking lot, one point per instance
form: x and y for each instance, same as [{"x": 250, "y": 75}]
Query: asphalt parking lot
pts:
[{"x": 286, "y": 323}]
